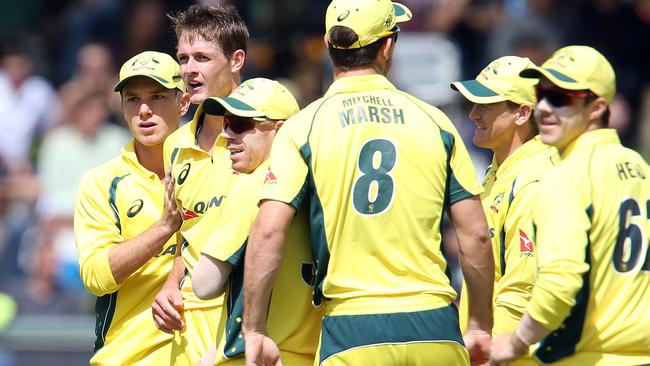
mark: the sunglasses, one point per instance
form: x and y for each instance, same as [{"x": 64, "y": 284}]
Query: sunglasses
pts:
[
  {"x": 238, "y": 124},
  {"x": 561, "y": 97}
]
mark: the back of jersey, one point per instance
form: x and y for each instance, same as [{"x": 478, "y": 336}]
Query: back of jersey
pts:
[
  {"x": 383, "y": 167},
  {"x": 606, "y": 234},
  {"x": 620, "y": 281}
]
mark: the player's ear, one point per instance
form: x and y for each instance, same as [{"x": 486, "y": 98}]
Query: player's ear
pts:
[
  {"x": 237, "y": 61},
  {"x": 185, "y": 102},
  {"x": 523, "y": 114},
  {"x": 278, "y": 124}
]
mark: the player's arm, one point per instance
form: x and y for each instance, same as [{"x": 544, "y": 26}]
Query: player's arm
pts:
[
  {"x": 476, "y": 259},
  {"x": 516, "y": 284},
  {"x": 263, "y": 259},
  {"x": 209, "y": 277},
  {"x": 561, "y": 266},
  {"x": 168, "y": 305},
  {"x": 129, "y": 256},
  {"x": 95, "y": 232}
]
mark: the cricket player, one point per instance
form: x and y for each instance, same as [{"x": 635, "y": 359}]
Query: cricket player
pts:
[
  {"x": 503, "y": 114},
  {"x": 591, "y": 300},
  {"x": 124, "y": 225},
  {"x": 212, "y": 43},
  {"x": 378, "y": 168},
  {"x": 254, "y": 113}
]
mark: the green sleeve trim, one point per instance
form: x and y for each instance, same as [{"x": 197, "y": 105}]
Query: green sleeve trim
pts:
[
  {"x": 454, "y": 191},
  {"x": 112, "y": 193},
  {"x": 174, "y": 155},
  {"x": 562, "y": 342},
  {"x": 104, "y": 310}
]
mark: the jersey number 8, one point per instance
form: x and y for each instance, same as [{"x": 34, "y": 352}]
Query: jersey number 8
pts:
[{"x": 374, "y": 189}]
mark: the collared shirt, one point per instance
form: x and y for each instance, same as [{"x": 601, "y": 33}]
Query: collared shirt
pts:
[
  {"x": 592, "y": 217},
  {"x": 296, "y": 334},
  {"x": 115, "y": 202},
  {"x": 378, "y": 167},
  {"x": 202, "y": 183},
  {"x": 507, "y": 201}
]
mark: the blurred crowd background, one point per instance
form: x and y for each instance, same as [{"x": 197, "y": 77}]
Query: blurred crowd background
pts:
[{"x": 59, "y": 115}]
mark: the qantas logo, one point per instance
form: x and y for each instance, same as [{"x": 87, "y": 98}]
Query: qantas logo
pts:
[
  {"x": 270, "y": 177},
  {"x": 189, "y": 214},
  {"x": 201, "y": 207},
  {"x": 526, "y": 245}
]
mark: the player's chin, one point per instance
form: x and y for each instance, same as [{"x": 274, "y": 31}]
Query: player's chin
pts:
[{"x": 151, "y": 140}]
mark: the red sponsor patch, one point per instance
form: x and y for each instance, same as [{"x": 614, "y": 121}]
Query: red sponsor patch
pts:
[
  {"x": 269, "y": 177},
  {"x": 526, "y": 245},
  {"x": 189, "y": 214}
]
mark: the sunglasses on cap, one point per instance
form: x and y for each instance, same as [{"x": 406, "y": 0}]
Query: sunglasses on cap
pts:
[
  {"x": 560, "y": 97},
  {"x": 239, "y": 124}
]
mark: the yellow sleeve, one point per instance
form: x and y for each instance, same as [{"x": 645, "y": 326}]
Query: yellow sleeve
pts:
[
  {"x": 230, "y": 233},
  {"x": 562, "y": 219},
  {"x": 463, "y": 182},
  {"x": 288, "y": 165},
  {"x": 95, "y": 232},
  {"x": 515, "y": 286}
]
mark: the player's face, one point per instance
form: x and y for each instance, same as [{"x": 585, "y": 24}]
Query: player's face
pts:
[
  {"x": 495, "y": 124},
  {"x": 249, "y": 142},
  {"x": 561, "y": 118},
  {"x": 206, "y": 70},
  {"x": 151, "y": 111}
]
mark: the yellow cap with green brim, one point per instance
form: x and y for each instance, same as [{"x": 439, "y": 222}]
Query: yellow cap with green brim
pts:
[
  {"x": 500, "y": 81},
  {"x": 158, "y": 66},
  {"x": 578, "y": 68},
  {"x": 257, "y": 98},
  {"x": 371, "y": 20}
]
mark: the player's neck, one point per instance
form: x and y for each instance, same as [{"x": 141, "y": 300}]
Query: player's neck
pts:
[
  {"x": 339, "y": 74},
  {"x": 210, "y": 130},
  {"x": 151, "y": 158}
]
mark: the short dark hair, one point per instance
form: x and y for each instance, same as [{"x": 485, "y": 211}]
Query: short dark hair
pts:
[
  {"x": 350, "y": 58},
  {"x": 219, "y": 24}
]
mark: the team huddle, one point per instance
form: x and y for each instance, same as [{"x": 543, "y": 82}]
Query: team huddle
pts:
[{"x": 262, "y": 234}]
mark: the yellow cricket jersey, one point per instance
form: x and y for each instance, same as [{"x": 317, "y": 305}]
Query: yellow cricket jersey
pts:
[
  {"x": 115, "y": 202},
  {"x": 592, "y": 218},
  {"x": 295, "y": 335},
  {"x": 510, "y": 189},
  {"x": 378, "y": 167},
  {"x": 202, "y": 181}
]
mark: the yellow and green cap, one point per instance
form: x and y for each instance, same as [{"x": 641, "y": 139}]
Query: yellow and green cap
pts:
[
  {"x": 500, "y": 81},
  {"x": 578, "y": 68},
  {"x": 158, "y": 66},
  {"x": 371, "y": 20},
  {"x": 257, "y": 98}
]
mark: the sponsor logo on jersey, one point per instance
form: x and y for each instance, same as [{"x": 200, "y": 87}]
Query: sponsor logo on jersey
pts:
[
  {"x": 270, "y": 177},
  {"x": 189, "y": 214},
  {"x": 496, "y": 202},
  {"x": 135, "y": 208},
  {"x": 201, "y": 207},
  {"x": 526, "y": 246}
]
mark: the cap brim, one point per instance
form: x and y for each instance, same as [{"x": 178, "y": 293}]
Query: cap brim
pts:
[
  {"x": 167, "y": 84},
  {"x": 554, "y": 76},
  {"x": 218, "y": 106},
  {"x": 402, "y": 13},
  {"x": 476, "y": 92}
]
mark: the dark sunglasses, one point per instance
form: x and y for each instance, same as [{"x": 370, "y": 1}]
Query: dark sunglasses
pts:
[
  {"x": 238, "y": 124},
  {"x": 561, "y": 97}
]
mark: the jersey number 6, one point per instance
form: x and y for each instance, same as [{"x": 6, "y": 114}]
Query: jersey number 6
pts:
[{"x": 629, "y": 244}]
